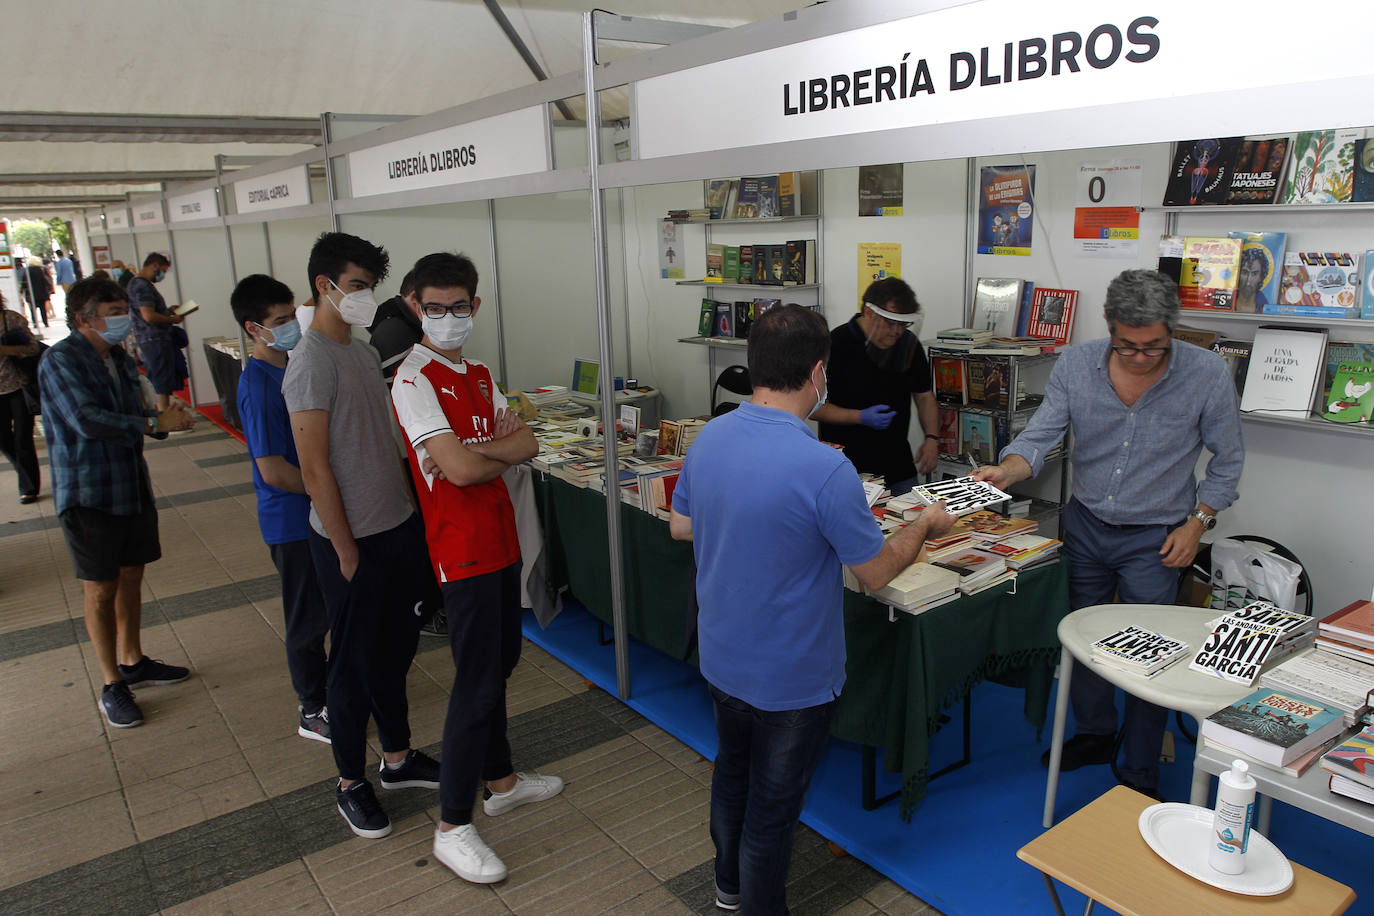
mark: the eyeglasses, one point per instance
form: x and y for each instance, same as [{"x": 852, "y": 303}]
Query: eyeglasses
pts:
[
  {"x": 1151, "y": 352},
  {"x": 457, "y": 309}
]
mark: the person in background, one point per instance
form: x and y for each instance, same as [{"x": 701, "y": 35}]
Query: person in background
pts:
[
  {"x": 66, "y": 271},
  {"x": 771, "y": 624},
  {"x": 452, "y": 412},
  {"x": 94, "y": 422},
  {"x": 878, "y": 369},
  {"x": 38, "y": 291},
  {"x": 153, "y": 323},
  {"x": 367, "y": 543},
  {"x": 266, "y": 310},
  {"x": 396, "y": 329},
  {"x": 1142, "y": 407},
  {"x": 16, "y": 421}
]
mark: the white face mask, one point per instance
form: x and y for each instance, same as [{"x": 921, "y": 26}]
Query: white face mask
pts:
[
  {"x": 305, "y": 315},
  {"x": 449, "y": 332},
  {"x": 357, "y": 308}
]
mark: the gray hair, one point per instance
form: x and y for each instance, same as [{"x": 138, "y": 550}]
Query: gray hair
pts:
[{"x": 1139, "y": 298}]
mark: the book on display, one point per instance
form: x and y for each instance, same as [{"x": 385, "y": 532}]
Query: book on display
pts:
[
  {"x": 1285, "y": 371},
  {"x": 1353, "y": 758},
  {"x": 1351, "y": 398},
  {"x": 1261, "y": 269},
  {"x": 1201, "y": 171},
  {"x": 1272, "y": 726},
  {"x": 1323, "y": 169},
  {"x": 1258, "y": 174},
  {"x": 1243, "y": 641},
  {"x": 1340, "y": 785},
  {"x": 1138, "y": 651},
  {"x": 1319, "y": 284},
  {"x": 1354, "y": 623},
  {"x": 919, "y": 583},
  {"x": 995, "y": 304},
  {"x": 1336, "y": 681},
  {"x": 1052, "y": 314},
  {"x": 1209, "y": 272},
  {"x": 1295, "y": 767}
]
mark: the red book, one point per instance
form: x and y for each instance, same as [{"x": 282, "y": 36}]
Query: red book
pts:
[
  {"x": 1354, "y": 622},
  {"x": 1051, "y": 314}
]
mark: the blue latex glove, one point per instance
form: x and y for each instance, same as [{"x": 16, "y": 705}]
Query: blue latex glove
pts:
[{"x": 879, "y": 416}]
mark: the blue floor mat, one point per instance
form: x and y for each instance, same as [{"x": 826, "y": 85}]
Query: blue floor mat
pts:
[{"x": 972, "y": 820}]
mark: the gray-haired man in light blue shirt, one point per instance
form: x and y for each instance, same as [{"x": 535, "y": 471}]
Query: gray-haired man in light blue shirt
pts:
[{"x": 1142, "y": 407}]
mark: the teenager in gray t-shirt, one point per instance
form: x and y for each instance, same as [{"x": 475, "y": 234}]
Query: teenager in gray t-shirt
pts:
[{"x": 366, "y": 540}]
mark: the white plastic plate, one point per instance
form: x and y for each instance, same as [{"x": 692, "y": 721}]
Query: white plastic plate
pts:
[{"x": 1182, "y": 835}]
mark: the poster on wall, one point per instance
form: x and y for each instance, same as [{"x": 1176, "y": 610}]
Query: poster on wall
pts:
[
  {"x": 877, "y": 260},
  {"x": 101, "y": 255},
  {"x": 880, "y": 190},
  {"x": 670, "y": 251},
  {"x": 1106, "y": 215},
  {"x": 1006, "y": 196}
]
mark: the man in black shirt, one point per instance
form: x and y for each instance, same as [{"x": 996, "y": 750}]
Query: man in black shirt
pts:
[
  {"x": 395, "y": 330},
  {"x": 877, "y": 370}
]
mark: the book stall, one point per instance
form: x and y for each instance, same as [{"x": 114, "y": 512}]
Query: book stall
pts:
[{"x": 697, "y": 223}]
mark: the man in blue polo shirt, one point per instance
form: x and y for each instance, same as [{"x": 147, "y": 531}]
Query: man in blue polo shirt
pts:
[
  {"x": 266, "y": 310},
  {"x": 771, "y": 625}
]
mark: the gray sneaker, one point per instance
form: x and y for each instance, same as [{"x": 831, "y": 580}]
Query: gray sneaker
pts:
[
  {"x": 316, "y": 726},
  {"x": 529, "y": 787}
]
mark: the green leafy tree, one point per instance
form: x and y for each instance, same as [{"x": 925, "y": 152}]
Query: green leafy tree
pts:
[{"x": 38, "y": 235}]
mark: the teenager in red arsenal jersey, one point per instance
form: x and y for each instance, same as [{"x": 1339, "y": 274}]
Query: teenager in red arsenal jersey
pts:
[{"x": 452, "y": 412}]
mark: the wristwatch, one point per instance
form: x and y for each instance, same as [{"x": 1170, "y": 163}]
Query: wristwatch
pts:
[
  {"x": 1208, "y": 521},
  {"x": 932, "y": 436}
]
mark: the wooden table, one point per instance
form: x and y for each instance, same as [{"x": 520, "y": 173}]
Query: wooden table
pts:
[{"x": 1099, "y": 851}]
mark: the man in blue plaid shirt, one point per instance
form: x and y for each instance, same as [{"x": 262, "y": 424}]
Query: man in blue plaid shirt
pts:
[{"x": 94, "y": 420}]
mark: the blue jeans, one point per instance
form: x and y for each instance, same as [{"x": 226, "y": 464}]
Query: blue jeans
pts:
[
  {"x": 763, "y": 768},
  {"x": 1105, "y": 563}
]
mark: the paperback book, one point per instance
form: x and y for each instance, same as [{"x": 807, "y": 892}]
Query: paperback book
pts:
[
  {"x": 960, "y": 496},
  {"x": 1201, "y": 171},
  {"x": 1052, "y": 314},
  {"x": 978, "y": 434},
  {"x": 919, "y": 583},
  {"x": 1138, "y": 651},
  {"x": 1353, "y": 759},
  {"x": 995, "y": 304},
  {"x": 1323, "y": 170},
  {"x": 1319, "y": 284},
  {"x": 1209, "y": 273},
  {"x": 1272, "y": 726},
  {"x": 1261, "y": 269},
  {"x": 1351, "y": 399},
  {"x": 1242, "y": 641},
  {"x": 948, "y": 374},
  {"x": 1285, "y": 371},
  {"x": 1337, "y": 682},
  {"x": 1363, "y": 189},
  {"x": 1354, "y": 623},
  {"x": 1258, "y": 174},
  {"x": 949, "y": 431}
]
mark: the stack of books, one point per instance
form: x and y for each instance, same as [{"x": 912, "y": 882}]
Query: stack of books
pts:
[
  {"x": 962, "y": 338},
  {"x": 920, "y": 587},
  {"x": 1243, "y": 641},
  {"x": 1138, "y": 651},
  {"x": 1351, "y": 765},
  {"x": 977, "y": 570},
  {"x": 1274, "y": 727},
  {"x": 1024, "y": 551},
  {"x": 1349, "y": 632},
  {"x": 1337, "y": 682},
  {"x": 1016, "y": 346}
]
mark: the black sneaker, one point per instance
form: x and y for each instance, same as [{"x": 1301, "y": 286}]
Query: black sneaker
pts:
[
  {"x": 359, "y": 806},
  {"x": 1082, "y": 751},
  {"x": 152, "y": 672},
  {"x": 314, "y": 726},
  {"x": 417, "y": 771},
  {"x": 117, "y": 703},
  {"x": 436, "y": 625}
]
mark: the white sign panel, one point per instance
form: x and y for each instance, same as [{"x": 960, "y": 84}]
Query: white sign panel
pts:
[
  {"x": 94, "y": 223},
  {"x": 515, "y": 143},
  {"x": 116, "y": 218},
  {"x": 287, "y": 188},
  {"x": 1003, "y": 58},
  {"x": 1106, "y": 216},
  {"x": 147, "y": 212},
  {"x": 196, "y": 205}
]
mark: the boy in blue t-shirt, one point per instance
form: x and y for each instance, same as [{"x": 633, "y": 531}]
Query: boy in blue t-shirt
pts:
[{"x": 266, "y": 310}]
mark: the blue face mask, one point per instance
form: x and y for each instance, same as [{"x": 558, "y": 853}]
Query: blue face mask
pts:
[
  {"x": 285, "y": 336},
  {"x": 116, "y": 328},
  {"x": 159, "y": 276}
]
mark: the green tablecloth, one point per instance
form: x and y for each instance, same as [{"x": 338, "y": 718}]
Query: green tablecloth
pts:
[{"x": 900, "y": 675}]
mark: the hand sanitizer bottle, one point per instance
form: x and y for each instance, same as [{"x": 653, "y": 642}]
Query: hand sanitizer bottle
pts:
[{"x": 1231, "y": 824}]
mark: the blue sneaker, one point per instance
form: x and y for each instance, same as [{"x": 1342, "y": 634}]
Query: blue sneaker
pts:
[{"x": 117, "y": 704}]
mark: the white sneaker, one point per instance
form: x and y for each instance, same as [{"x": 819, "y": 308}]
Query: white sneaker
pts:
[
  {"x": 529, "y": 787},
  {"x": 462, "y": 850}
]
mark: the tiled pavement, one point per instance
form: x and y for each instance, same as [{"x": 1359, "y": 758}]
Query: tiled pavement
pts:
[{"x": 214, "y": 805}]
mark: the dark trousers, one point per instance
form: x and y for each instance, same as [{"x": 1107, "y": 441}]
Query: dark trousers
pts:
[
  {"x": 16, "y": 440},
  {"x": 306, "y": 620},
  {"x": 373, "y": 631},
  {"x": 764, "y": 766},
  {"x": 484, "y": 635},
  {"x": 1107, "y": 564}
]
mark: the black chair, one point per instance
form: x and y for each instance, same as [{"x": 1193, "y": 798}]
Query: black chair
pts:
[
  {"x": 734, "y": 379},
  {"x": 1202, "y": 567}
]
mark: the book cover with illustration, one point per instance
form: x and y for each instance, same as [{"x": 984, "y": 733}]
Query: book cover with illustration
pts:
[
  {"x": 995, "y": 304},
  {"x": 1261, "y": 269},
  {"x": 1258, "y": 173},
  {"x": 768, "y": 199},
  {"x": 1353, "y": 758},
  {"x": 706, "y": 320},
  {"x": 1319, "y": 284},
  {"x": 1237, "y": 356},
  {"x": 1340, "y": 351},
  {"x": 725, "y": 319},
  {"x": 717, "y": 193},
  {"x": 987, "y": 378},
  {"x": 977, "y": 434},
  {"x": 1006, "y": 198},
  {"x": 747, "y": 203},
  {"x": 949, "y": 431},
  {"x": 1363, "y": 189},
  {"x": 880, "y": 190},
  {"x": 715, "y": 263},
  {"x": 1323, "y": 169},
  {"x": 1351, "y": 398},
  {"x": 1201, "y": 171},
  {"x": 1052, "y": 314},
  {"x": 1272, "y": 726},
  {"x": 746, "y": 264},
  {"x": 1209, "y": 273},
  {"x": 948, "y": 374}
]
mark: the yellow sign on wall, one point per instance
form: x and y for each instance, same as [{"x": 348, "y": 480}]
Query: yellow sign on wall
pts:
[{"x": 876, "y": 261}]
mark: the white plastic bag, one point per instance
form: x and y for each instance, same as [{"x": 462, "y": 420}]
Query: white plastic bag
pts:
[{"x": 1244, "y": 572}]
